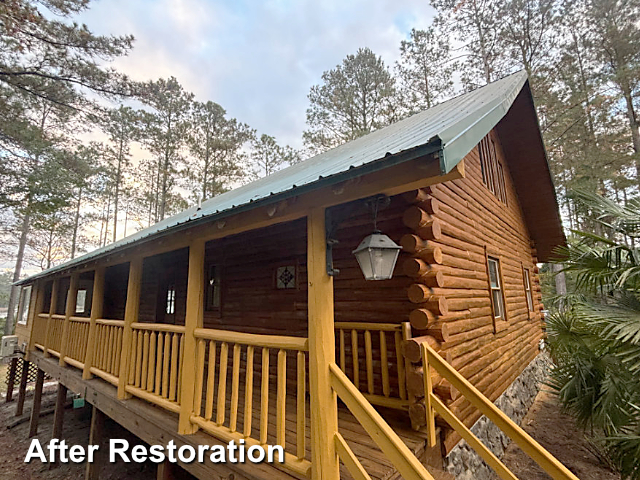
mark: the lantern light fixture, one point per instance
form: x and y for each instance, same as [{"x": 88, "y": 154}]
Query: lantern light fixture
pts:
[{"x": 377, "y": 254}]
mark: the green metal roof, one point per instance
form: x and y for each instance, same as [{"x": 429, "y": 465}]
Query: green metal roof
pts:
[{"x": 451, "y": 128}]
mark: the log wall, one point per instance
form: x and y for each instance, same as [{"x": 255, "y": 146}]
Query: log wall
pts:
[{"x": 455, "y": 225}]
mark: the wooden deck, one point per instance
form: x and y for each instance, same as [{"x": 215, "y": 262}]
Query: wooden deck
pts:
[{"x": 157, "y": 426}]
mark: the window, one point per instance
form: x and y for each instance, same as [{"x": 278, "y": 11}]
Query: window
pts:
[
  {"x": 171, "y": 300},
  {"x": 213, "y": 288},
  {"x": 527, "y": 287},
  {"x": 81, "y": 301},
  {"x": 492, "y": 169},
  {"x": 23, "y": 306},
  {"x": 495, "y": 285}
]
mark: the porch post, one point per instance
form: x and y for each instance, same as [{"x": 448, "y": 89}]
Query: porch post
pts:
[
  {"x": 193, "y": 320},
  {"x": 35, "y": 308},
  {"x": 324, "y": 408},
  {"x": 130, "y": 316},
  {"x": 69, "y": 310},
  {"x": 97, "y": 302},
  {"x": 52, "y": 310}
]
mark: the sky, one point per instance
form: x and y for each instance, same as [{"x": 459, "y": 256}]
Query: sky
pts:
[{"x": 256, "y": 59}]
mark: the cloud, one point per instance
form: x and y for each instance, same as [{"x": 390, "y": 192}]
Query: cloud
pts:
[{"x": 257, "y": 59}]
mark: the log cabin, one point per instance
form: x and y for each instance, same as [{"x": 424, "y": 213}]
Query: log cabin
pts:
[{"x": 250, "y": 317}]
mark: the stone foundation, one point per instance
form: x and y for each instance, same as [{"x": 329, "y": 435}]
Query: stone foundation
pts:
[{"x": 463, "y": 462}]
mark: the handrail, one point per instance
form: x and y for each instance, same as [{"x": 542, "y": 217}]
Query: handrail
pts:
[
  {"x": 384, "y": 327},
  {"x": 380, "y": 431},
  {"x": 254, "y": 339},
  {"x": 79, "y": 319},
  {"x": 158, "y": 327},
  {"x": 542, "y": 457},
  {"x": 113, "y": 323}
]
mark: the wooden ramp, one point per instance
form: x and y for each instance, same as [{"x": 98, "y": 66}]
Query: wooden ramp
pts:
[{"x": 157, "y": 426}]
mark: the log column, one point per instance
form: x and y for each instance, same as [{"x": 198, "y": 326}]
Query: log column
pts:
[
  {"x": 35, "y": 308},
  {"x": 69, "y": 310},
  {"x": 130, "y": 316},
  {"x": 12, "y": 379},
  {"x": 22, "y": 391},
  {"x": 324, "y": 408},
  {"x": 92, "y": 470},
  {"x": 52, "y": 310},
  {"x": 97, "y": 303},
  {"x": 37, "y": 400},
  {"x": 193, "y": 319},
  {"x": 58, "y": 417}
]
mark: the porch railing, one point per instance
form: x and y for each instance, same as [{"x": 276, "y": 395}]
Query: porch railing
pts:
[
  {"x": 78, "y": 335},
  {"x": 106, "y": 351},
  {"x": 226, "y": 392},
  {"x": 155, "y": 370},
  {"x": 370, "y": 354}
]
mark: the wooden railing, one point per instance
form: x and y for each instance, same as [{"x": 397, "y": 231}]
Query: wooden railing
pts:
[
  {"x": 155, "y": 367},
  {"x": 107, "y": 348},
  {"x": 77, "y": 337},
  {"x": 382, "y": 434},
  {"x": 370, "y": 354},
  {"x": 39, "y": 330},
  {"x": 54, "y": 340},
  {"x": 434, "y": 406},
  {"x": 247, "y": 383}
]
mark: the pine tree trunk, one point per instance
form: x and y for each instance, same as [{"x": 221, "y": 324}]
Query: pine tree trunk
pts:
[
  {"x": 17, "y": 271},
  {"x": 117, "y": 192},
  {"x": 76, "y": 225}
]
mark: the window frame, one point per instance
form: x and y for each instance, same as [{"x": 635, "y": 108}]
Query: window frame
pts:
[
  {"x": 213, "y": 292},
  {"x": 84, "y": 303},
  {"x": 22, "y": 313},
  {"x": 528, "y": 291},
  {"x": 499, "y": 322},
  {"x": 170, "y": 300}
]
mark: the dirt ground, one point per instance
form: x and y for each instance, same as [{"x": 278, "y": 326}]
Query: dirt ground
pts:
[
  {"x": 545, "y": 422},
  {"x": 14, "y": 443},
  {"x": 557, "y": 433}
]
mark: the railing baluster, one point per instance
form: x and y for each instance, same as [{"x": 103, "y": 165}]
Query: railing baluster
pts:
[
  {"x": 248, "y": 392},
  {"x": 134, "y": 351},
  {"x": 116, "y": 371},
  {"x": 386, "y": 388},
  {"x": 264, "y": 395},
  {"x": 281, "y": 402},
  {"x": 139, "y": 348},
  {"x": 211, "y": 378},
  {"x": 181, "y": 354},
  {"x": 301, "y": 407},
  {"x": 222, "y": 383},
  {"x": 343, "y": 356},
  {"x": 165, "y": 365},
  {"x": 174, "y": 366},
  {"x": 402, "y": 385},
  {"x": 368, "y": 351},
  {"x": 115, "y": 352},
  {"x": 200, "y": 352},
  {"x": 145, "y": 360},
  {"x": 235, "y": 385},
  {"x": 354, "y": 354},
  {"x": 151, "y": 372},
  {"x": 159, "y": 359}
]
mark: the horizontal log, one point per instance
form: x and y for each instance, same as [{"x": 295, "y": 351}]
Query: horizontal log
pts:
[
  {"x": 415, "y": 216},
  {"x": 411, "y": 348},
  {"x": 417, "y": 196},
  {"x": 421, "y": 294},
  {"x": 421, "y": 318},
  {"x": 432, "y": 231}
]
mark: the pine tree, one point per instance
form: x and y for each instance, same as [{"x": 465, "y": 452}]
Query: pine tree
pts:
[
  {"x": 215, "y": 143},
  {"x": 355, "y": 98},
  {"x": 425, "y": 69}
]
